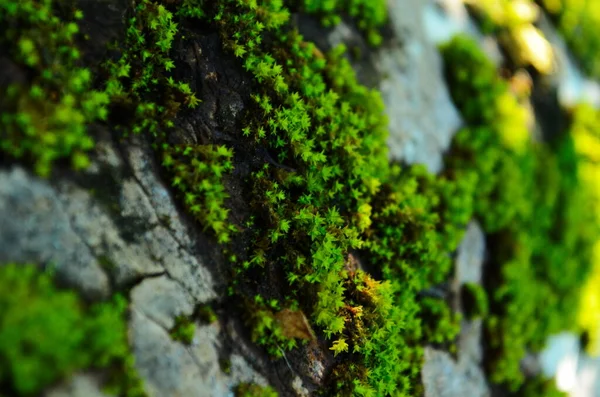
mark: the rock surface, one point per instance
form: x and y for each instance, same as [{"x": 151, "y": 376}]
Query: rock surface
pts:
[
  {"x": 422, "y": 117},
  {"x": 127, "y": 232}
]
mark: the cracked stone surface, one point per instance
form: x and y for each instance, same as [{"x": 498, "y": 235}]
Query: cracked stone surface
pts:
[
  {"x": 35, "y": 227},
  {"x": 115, "y": 226}
]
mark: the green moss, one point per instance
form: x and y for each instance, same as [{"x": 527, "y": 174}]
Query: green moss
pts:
[
  {"x": 532, "y": 201},
  {"x": 141, "y": 81},
  {"x": 331, "y": 190},
  {"x": 441, "y": 325},
  {"x": 254, "y": 390},
  {"x": 44, "y": 117},
  {"x": 198, "y": 175},
  {"x": 368, "y": 14},
  {"x": 183, "y": 330},
  {"x": 475, "y": 300},
  {"x": 206, "y": 314},
  {"x": 47, "y": 334},
  {"x": 326, "y": 198}
]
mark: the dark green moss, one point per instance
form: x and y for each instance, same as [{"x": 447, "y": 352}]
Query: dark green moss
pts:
[
  {"x": 206, "y": 314},
  {"x": 475, "y": 300},
  {"x": 183, "y": 330}
]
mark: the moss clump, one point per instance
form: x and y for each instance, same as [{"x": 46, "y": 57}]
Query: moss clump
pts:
[
  {"x": 47, "y": 334},
  {"x": 532, "y": 201},
  {"x": 369, "y": 15},
  {"x": 327, "y": 191},
  {"x": 475, "y": 300},
  {"x": 183, "y": 330},
  {"x": 206, "y": 314},
  {"x": 140, "y": 83},
  {"x": 198, "y": 174},
  {"x": 441, "y": 325},
  {"x": 44, "y": 115},
  {"x": 254, "y": 390}
]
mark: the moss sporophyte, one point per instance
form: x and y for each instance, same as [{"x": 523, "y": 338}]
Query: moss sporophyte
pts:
[{"x": 327, "y": 205}]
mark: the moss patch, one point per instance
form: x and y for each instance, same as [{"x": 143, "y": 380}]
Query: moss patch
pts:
[{"x": 46, "y": 334}]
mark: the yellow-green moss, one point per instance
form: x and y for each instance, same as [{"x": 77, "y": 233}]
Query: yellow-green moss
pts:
[{"x": 532, "y": 201}]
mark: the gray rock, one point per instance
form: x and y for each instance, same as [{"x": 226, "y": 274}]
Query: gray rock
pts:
[
  {"x": 422, "y": 117},
  {"x": 79, "y": 385},
  {"x": 35, "y": 227},
  {"x": 166, "y": 366},
  {"x": 469, "y": 341},
  {"x": 443, "y": 377},
  {"x": 162, "y": 299},
  {"x": 170, "y": 368},
  {"x": 470, "y": 255},
  {"x": 126, "y": 260}
]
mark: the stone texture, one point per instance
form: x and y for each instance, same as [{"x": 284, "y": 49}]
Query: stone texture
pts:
[
  {"x": 470, "y": 255},
  {"x": 422, "y": 117},
  {"x": 35, "y": 227},
  {"x": 162, "y": 299},
  {"x": 171, "y": 368},
  {"x": 443, "y": 377},
  {"x": 116, "y": 224}
]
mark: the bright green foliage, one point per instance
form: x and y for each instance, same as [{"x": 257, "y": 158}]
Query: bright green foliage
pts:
[
  {"x": 183, "y": 330},
  {"x": 254, "y": 390},
  {"x": 44, "y": 118},
  {"x": 475, "y": 300},
  {"x": 578, "y": 22},
  {"x": 529, "y": 196},
  {"x": 369, "y": 15},
  {"x": 46, "y": 334},
  {"x": 198, "y": 176}
]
